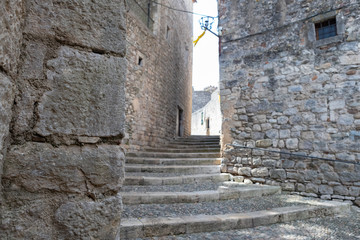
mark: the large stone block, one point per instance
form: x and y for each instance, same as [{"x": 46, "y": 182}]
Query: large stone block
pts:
[
  {"x": 341, "y": 190},
  {"x": 326, "y": 189},
  {"x": 99, "y": 25},
  {"x": 87, "y": 96},
  {"x": 260, "y": 172},
  {"x": 312, "y": 188},
  {"x": 349, "y": 176},
  {"x": 58, "y": 216},
  {"x": 278, "y": 174},
  {"x": 292, "y": 143},
  {"x": 349, "y": 60},
  {"x": 244, "y": 171},
  {"x": 11, "y": 16},
  {"x": 90, "y": 170},
  {"x": 6, "y": 100},
  {"x": 263, "y": 143},
  {"x": 33, "y": 60},
  {"x": 31, "y": 219},
  {"x": 91, "y": 220},
  {"x": 354, "y": 191},
  {"x": 7, "y": 94}
]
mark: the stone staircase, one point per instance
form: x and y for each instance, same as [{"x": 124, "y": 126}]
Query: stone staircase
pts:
[{"x": 178, "y": 189}]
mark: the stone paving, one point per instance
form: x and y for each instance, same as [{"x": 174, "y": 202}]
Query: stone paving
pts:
[{"x": 340, "y": 227}]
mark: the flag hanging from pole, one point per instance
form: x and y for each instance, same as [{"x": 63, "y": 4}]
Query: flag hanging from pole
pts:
[{"x": 196, "y": 41}]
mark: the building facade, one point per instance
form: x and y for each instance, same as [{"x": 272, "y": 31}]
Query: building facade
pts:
[
  {"x": 290, "y": 83},
  {"x": 158, "y": 86},
  {"x": 206, "y": 120}
]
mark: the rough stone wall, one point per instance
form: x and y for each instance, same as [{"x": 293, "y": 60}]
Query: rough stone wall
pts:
[
  {"x": 162, "y": 81},
  {"x": 284, "y": 91},
  {"x": 62, "y": 117},
  {"x": 11, "y": 18},
  {"x": 210, "y": 111}
]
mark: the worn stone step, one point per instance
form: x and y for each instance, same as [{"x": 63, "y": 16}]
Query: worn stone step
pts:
[
  {"x": 172, "y": 180},
  {"x": 174, "y": 161},
  {"x": 206, "y": 143},
  {"x": 190, "y": 187},
  {"x": 192, "y": 146},
  {"x": 200, "y": 137},
  {"x": 187, "y": 150},
  {"x": 225, "y": 192},
  {"x": 237, "y": 205},
  {"x": 186, "y": 169},
  {"x": 162, "y": 226},
  {"x": 172, "y": 155},
  {"x": 197, "y": 140}
]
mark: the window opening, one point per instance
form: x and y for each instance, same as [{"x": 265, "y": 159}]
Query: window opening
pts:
[
  {"x": 180, "y": 127},
  {"x": 167, "y": 32},
  {"x": 140, "y": 61},
  {"x": 326, "y": 29},
  {"x": 208, "y": 126}
]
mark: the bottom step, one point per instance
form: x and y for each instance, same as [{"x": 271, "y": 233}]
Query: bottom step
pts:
[{"x": 162, "y": 226}]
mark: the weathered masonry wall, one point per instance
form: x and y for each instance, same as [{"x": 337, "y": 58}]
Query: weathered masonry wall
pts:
[
  {"x": 159, "y": 74},
  {"x": 283, "y": 90},
  {"x": 62, "y": 117}
]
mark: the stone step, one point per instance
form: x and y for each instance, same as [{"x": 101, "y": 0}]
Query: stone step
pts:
[
  {"x": 206, "y": 143},
  {"x": 172, "y": 155},
  {"x": 186, "y": 169},
  {"x": 189, "y": 187},
  {"x": 238, "y": 205},
  {"x": 192, "y": 146},
  {"x": 217, "y": 140},
  {"x": 174, "y": 225},
  {"x": 187, "y": 150},
  {"x": 200, "y": 137},
  {"x": 225, "y": 192},
  {"x": 174, "y": 161},
  {"x": 172, "y": 180}
]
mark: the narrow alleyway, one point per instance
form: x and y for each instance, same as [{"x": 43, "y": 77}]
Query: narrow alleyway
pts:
[{"x": 178, "y": 189}]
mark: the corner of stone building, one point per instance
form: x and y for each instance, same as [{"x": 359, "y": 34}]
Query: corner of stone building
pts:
[{"x": 64, "y": 121}]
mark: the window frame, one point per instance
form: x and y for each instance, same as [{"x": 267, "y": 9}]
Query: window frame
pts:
[
  {"x": 340, "y": 29},
  {"x": 326, "y": 29}
]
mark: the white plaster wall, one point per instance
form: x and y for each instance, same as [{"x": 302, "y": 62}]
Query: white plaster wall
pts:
[{"x": 212, "y": 111}]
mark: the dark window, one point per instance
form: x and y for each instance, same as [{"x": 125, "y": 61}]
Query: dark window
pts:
[
  {"x": 167, "y": 32},
  {"x": 180, "y": 127},
  {"x": 326, "y": 29},
  {"x": 140, "y": 61}
]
